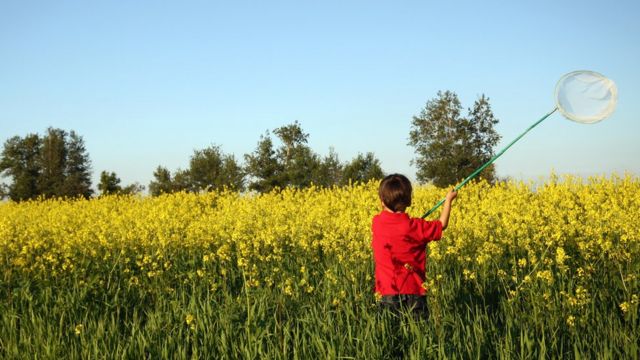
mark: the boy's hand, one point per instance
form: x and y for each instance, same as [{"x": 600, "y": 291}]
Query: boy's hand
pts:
[{"x": 451, "y": 195}]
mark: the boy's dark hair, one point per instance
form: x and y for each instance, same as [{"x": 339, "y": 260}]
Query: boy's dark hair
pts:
[{"x": 395, "y": 192}]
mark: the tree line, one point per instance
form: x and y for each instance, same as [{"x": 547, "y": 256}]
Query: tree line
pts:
[
  {"x": 57, "y": 164},
  {"x": 448, "y": 147},
  {"x": 291, "y": 164}
]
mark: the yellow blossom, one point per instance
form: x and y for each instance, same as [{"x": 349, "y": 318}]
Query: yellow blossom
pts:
[
  {"x": 624, "y": 307},
  {"x": 571, "y": 321},
  {"x": 191, "y": 321},
  {"x": 561, "y": 257},
  {"x": 522, "y": 262}
]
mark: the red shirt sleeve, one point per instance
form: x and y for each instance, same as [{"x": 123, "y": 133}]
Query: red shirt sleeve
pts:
[{"x": 429, "y": 230}]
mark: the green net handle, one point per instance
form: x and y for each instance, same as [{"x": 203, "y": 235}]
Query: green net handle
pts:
[{"x": 475, "y": 173}]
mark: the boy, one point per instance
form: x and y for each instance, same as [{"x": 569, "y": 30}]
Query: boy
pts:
[{"x": 399, "y": 246}]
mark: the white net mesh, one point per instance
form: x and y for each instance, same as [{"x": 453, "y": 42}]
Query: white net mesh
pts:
[{"x": 586, "y": 96}]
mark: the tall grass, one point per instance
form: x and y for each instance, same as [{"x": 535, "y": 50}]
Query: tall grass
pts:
[{"x": 499, "y": 307}]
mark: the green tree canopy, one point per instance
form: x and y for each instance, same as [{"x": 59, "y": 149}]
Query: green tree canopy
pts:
[
  {"x": 53, "y": 158},
  {"x": 449, "y": 146},
  {"x": 329, "y": 172},
  {"x": 109, "y": 183},
  {"x": 362, "y": 168},
  {"x": 298, "y": 161},
  {"x": 162, "y": 183},
  {"x": 77, "y": 179},
  {"x": 209, "y": 169},
  {"x": 55, "y": 165},
  {"x": 20, "y": 162},
  {"x": 262, "y": 166},
  {"x": 295, "y": 164}
]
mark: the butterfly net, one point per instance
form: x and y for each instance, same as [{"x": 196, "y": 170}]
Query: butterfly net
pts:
[{"x": 586, "y": 96}]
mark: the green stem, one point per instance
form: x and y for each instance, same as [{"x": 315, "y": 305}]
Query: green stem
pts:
[{"x": 475, "y": 173}]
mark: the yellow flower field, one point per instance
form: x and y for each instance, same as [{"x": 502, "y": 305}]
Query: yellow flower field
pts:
[{"x": 552, "y": 256}]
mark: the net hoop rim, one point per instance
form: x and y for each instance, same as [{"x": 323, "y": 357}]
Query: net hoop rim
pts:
[{"x": 593, "y": 119}]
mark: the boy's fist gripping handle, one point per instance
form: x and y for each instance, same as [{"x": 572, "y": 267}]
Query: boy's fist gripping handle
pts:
[{"x": 450, "y": 196}]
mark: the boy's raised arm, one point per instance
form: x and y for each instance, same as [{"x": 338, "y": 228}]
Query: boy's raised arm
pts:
[{"x": 446, "y": 208}]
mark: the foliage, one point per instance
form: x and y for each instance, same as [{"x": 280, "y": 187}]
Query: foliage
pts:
[
  {"x": 330, "y": 171},
  {"x": 20, "y": 162},
  {"x": 53, "y": 154},
  {"x": 78, "y": 168},
  {"x": 362, "y": 168},
  {"x": 449, "y": 146},
  {"x": 162, "y": 183},
  {"x": 295, "y": 164},
  {"x": 263, "y": 167},
  {"x": 55, "y": 165},
  {"x": 110, "y": 185},
  {"x": 523, "y": 271},
  {"x": 209, "y": 169},
  {"x": 292, "y": 164}
]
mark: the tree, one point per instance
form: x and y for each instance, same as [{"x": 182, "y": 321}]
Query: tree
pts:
[
  {"x": 182, "y": 181},
  {"x": 293, "y": 138},
  {"x": 109, "y": 183},
  {"x": 132, "y": 189},
  {"x": 295, "y": 164},
  {"x": 362, "y": 169},
  {"x": 77, "y": 181},
  {"x": 211, "y": 169},
  {"x": 56, "y": 165},
  {"x": 262, "y": 166},
  {"x": 234, "y": 176},
  {"x": 329, "y": 171},
  {"x": 291, "y": 164},
  {"x": 20, "y": 162},
  {"x": 449, "y": 147},
  {"x": 53, "y": 159},
  {"x": 301, "y": 170},
  {"x": 162, "y": 183},
  {"x": 484, "y": 138},
  {"x": 165, "y": 183},
  {"x": 298, "y": 161}
]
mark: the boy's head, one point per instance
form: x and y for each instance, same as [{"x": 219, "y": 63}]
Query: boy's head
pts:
[{"x": 395, "y": 192}]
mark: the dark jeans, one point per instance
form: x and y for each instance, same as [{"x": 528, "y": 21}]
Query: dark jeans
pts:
[{"x": 397, "y": 304}]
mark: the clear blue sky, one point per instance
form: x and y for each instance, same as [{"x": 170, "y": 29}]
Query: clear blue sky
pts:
[{"x": 147, "y": 82}]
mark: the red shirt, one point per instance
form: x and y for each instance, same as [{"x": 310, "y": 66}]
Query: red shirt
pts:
[{"x": 399, "y": 251}]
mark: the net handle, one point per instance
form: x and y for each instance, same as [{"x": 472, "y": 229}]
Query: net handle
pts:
[{"x": 475, "y": 173}]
